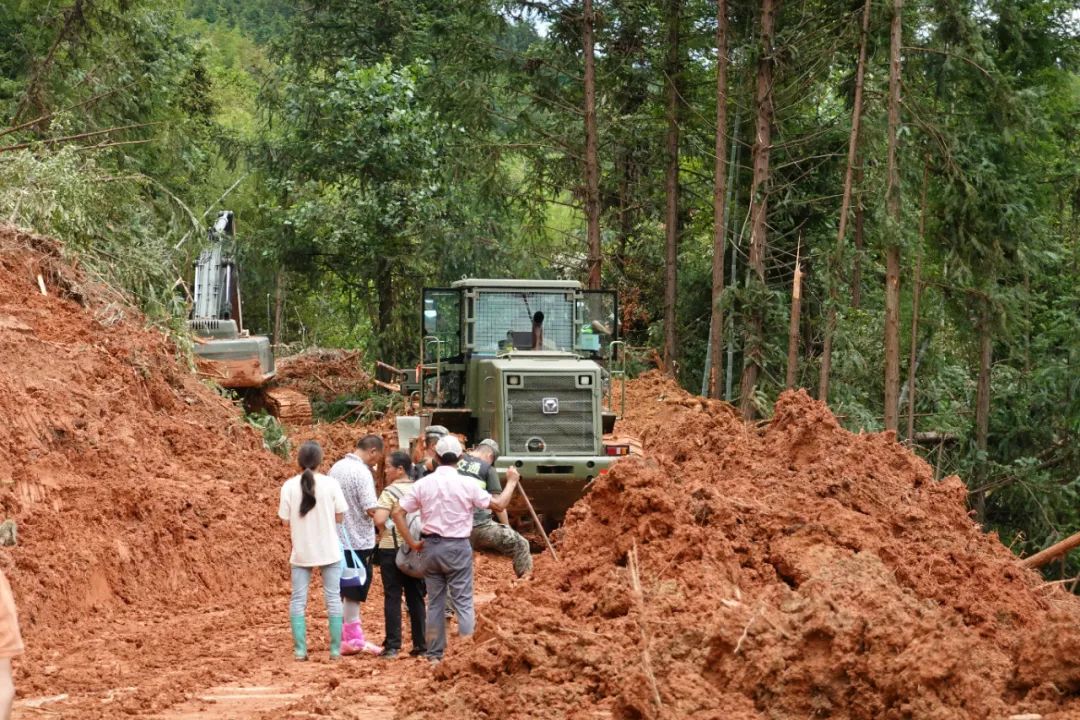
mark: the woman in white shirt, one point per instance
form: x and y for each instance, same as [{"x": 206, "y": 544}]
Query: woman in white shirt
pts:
[{"x": 312, "y": 505}]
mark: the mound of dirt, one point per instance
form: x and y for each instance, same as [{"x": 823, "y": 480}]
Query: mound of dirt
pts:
[
  {"x": 323, "y": 374},
  {"x": 792, "y": 570},
  {"x": 131, "y": 481}
]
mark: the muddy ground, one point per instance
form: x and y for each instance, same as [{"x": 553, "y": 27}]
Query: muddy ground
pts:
[
  {"x": 787, "y": 569},
  {"x": 223, "y": 661}
]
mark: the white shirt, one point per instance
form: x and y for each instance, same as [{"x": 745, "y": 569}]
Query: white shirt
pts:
[
  {"x": 358, "y": 485},
  {"x": 315, "y": 536}
]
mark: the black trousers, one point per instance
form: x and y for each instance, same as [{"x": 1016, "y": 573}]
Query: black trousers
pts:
[{"x": 396, "y": 583}]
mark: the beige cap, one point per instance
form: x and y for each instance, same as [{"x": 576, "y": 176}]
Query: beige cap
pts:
[
  {"x": 448, "y": 445},
  {"x": 491, "y": 445}
]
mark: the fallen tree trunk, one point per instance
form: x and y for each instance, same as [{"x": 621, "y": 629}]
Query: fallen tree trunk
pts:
[{"x": 1057, "y": 549}]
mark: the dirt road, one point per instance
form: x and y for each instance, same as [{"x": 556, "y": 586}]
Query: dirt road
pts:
[{"x": 221, "y": 662}]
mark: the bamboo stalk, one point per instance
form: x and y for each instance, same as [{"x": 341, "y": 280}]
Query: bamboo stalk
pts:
[
  {"x": 536, "y": 521},
  {"x": 891, "y": 384},
  {"x": 793, "y": 328},
  {"x": 46, "y": 116},
  {"x": 102, "y": 146},
  {"x": 639, "y": 600},
  {"x": 720, "y": 201},
  {"x": 79, "y": 136},
  {"x": 1060, "y": 548},
  {"x": 845, "y": 206},
  {"x": 916, "y": 291}
]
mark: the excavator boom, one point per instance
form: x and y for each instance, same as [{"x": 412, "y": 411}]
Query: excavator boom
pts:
[{"x": 224, "y": 351}]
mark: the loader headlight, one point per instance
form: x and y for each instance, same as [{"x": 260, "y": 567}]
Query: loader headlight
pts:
[
  {"x": 513, "y": 380},
  {"x": 584, "y": 380}
]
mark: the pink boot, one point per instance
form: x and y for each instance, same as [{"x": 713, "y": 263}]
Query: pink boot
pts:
[{"x": 353, "y": 641}]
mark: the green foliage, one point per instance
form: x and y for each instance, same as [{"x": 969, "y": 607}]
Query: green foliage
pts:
[
  {"x": 261, "y": 20},
  {"x": 363, "y": 186},
  {"x": 275, "y": 439},
  {"x": 360, "y": 408},
  {"x": 112, "y": 223},
  {"x": 111, "y": 102}
]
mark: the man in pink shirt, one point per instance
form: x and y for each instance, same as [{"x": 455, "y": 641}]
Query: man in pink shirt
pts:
[{"x": 446, "y": 500}]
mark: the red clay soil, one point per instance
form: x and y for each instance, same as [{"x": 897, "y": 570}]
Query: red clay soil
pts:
[
  {"x": 340, "y": 438},
  {"x": 151, "y": 574},
  {"x": 132, "y": 482},
  {"x": 791, "y": 570},
  {"x": 228, "y": 660}
]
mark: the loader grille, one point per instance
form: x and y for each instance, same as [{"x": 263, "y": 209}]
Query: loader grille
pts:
[{"x": 569, "y": 431}]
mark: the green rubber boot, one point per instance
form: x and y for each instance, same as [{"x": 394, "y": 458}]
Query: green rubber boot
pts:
[
  {"x": 299, "y": 636},
  {"x": 335, "y": 637}
]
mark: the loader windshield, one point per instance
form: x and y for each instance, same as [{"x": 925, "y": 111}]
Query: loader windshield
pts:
[{"x": 507, "y": 320}]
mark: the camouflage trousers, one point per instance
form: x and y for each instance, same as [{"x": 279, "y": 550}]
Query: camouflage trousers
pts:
[{"x": 497, "y": 538}]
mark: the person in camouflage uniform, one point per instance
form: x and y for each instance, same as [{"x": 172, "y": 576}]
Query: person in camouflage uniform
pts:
[{"x": 488, "y": 535}]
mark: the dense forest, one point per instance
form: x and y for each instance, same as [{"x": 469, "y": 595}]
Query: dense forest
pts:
[{"x": 878, "y": 202}]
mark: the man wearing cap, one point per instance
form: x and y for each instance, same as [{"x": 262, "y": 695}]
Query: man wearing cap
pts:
[
  {"x": 488, "y": 535},
  {"x": 445, "y": 501},
  {"x": 427, "y": 462}
]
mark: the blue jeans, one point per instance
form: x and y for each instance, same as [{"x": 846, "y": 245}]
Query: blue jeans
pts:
[{"x": 301, "y": 579}]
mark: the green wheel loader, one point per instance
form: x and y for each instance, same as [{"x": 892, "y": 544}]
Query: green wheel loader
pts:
[{"x": 529, "y": 363}]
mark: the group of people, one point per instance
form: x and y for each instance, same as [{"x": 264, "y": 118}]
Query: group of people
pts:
[{"x": 339, "y": 525}]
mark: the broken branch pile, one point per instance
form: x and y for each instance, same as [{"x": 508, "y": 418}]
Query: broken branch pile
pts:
[{"x": 323, "y": 374}]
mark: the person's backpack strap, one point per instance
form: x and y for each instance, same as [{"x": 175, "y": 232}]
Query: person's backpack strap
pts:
[{"x": 397, "y": 493}]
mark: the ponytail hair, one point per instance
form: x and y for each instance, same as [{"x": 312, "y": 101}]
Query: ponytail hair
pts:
[{"x": 309, "y": 457}]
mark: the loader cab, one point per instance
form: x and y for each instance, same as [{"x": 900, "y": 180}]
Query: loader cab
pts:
[
  {"x": 476, "y": 319},
  {"x": 492, "y": 317}
]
